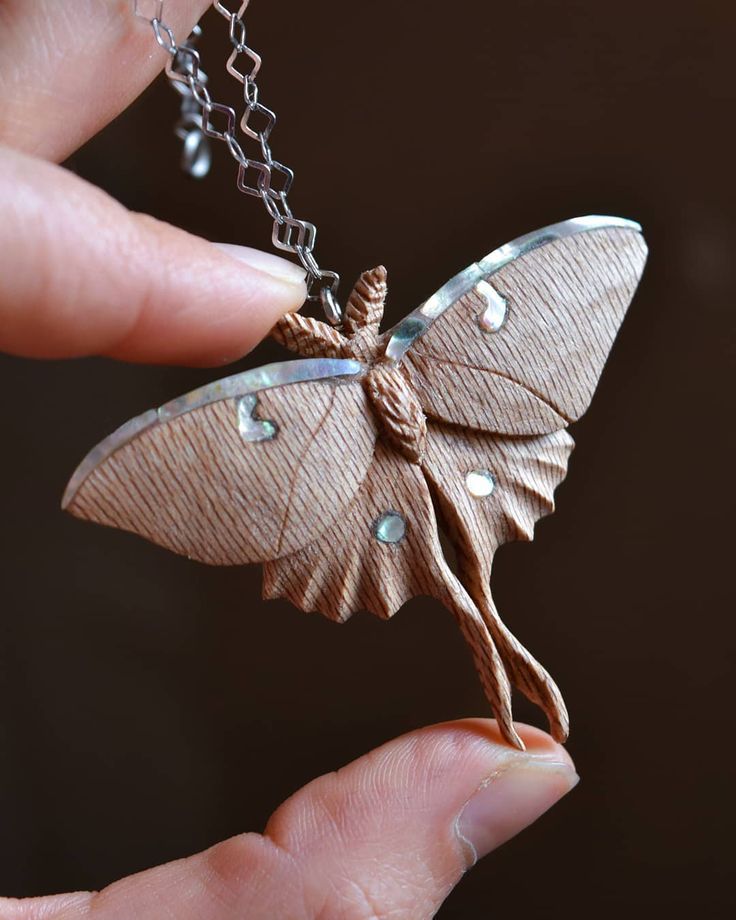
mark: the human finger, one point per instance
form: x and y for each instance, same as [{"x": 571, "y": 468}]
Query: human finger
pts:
[
  {"x": 81, "y": 275},
  {"x": 67, "y": 69},
  {"x": 387, "y": 836}
]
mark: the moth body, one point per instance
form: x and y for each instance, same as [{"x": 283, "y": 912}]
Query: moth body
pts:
[{"x": 401, "y": 419}]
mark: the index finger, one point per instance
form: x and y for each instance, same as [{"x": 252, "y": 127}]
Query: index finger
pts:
[
  {"x": 80, "y": 275},
  {"x": 67, "y": 69}
]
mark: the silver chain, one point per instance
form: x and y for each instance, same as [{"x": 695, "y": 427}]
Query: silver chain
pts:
[{"x": 201, "y": 118}]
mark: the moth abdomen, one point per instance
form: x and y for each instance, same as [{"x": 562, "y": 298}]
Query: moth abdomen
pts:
[{"x": 395, "y": 404}]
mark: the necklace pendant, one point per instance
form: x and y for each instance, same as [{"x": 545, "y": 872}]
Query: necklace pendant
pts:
[{"x": 339, "y": 471}]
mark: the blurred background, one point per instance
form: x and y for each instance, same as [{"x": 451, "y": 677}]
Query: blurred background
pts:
[{"x": 143, "y": 712}]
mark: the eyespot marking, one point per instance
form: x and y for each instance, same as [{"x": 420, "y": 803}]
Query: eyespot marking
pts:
[
  {"x": 390, "y": 527},
  {"x": 480, "y": 483}
]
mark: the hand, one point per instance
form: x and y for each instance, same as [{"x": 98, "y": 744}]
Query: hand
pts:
[
  {"x": 389, "y": 835},
  {"x": 392, "y": 833},
  {"x": 81, "y": 275}
]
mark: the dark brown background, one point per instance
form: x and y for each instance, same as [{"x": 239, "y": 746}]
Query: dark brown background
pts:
[{"x": 143, "y": 712}]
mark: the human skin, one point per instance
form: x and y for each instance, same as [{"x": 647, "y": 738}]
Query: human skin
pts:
[{"x": 390, "y": 834}]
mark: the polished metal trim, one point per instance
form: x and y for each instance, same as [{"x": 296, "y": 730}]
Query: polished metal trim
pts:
[
  {"x": 280, "y": 374},
  {"x": 406, "y": 332},
  {"x": 253, "y": 381},
  {"x": 504, "y": 254}
]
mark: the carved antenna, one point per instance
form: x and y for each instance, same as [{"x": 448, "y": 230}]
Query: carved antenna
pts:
[
  {"x": 365, "y": 305},
  {"x": 308, "y": 337}
]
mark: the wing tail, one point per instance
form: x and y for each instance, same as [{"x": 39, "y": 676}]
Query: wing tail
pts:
[
  {"x": 524, "y": 671},
  {"x": 487, "y": 654}
]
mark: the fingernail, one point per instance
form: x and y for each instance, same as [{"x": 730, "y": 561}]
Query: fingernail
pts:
[
  {"x": 510, "y": 800},
  {"x": 265, "y": 262}
]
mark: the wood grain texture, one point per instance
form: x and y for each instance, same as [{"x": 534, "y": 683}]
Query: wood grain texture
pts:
[
  {"x": 353, "y": 571},
  {"x": 350, "y": 570},
  {"x": 359, "y": 338},
  {"x": 196, "y": 487},
  {"x": 474, "y": 397},
  {"x": 526, "y": 472},
  {"x": 398, "y": 412},
  {"x": 566, "y": 301},
  {"x": 312, "y": 503}
]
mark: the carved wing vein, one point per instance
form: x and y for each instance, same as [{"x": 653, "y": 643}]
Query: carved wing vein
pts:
[
  {"x": 428, "y": 354},
  {"x": 298, "y": 468}
]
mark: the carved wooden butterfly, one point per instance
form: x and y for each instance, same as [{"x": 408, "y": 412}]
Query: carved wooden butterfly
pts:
[{"x": 333, "y": 470}]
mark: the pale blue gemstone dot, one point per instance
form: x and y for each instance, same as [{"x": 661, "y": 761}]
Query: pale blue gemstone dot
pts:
[{"x": 389, "y": 528}]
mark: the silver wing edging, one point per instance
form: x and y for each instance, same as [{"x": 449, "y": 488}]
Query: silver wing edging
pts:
[
  {"x": 249, "y": 382},
  {"x": 400, "y": 340},
  {"x": 405, "y": 333}
]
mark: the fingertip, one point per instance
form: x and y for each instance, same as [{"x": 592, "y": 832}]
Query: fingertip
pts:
[
  {"x": 535, "y": 741},
  {"x": 518, "y": 788},
  {"x": 206, "y": 304},
  {"x": 422, "y": 781},
  {"x": 267, "y": 262},
  {"x": 538, "y": 743},
  {"x": 510, "y": 800},
  {"x": 83, "y": 276}
]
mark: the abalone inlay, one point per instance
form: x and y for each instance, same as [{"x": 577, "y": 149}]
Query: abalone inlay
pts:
[
  {"x": 251, "y": 428},
  {"x": 390, "y": 528}
]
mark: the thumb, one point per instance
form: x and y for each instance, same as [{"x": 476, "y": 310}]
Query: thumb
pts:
[
  {"x": 389, "y": 835},
  {"x": 82, "y": 275},
  {"x": 392, "y": 833}
]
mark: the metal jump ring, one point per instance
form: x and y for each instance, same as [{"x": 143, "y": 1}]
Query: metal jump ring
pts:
[{"x": 330, "y": 306}]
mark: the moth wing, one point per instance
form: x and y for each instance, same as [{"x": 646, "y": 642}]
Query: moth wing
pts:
[
  {"x": 360, "y": 564},
  {"x": 493, "y": 488},
  {"x": 517, "y": 342},
  {"x": 247, "y": 469},
  {"x": 382, "y": 552}
]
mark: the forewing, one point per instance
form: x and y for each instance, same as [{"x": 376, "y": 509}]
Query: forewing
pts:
[
  {"x": 516, "y": 343},
  {"x": 493, "y": 488},
  {"x": 248, "y": 469}
]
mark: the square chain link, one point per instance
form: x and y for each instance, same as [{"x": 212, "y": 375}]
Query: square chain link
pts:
[
  {"x": 282, "y": 236},
  {"x": 183, "y": 65},
  {"x": 243, "y": 75},
  {"x": 202, "y": 118},
  {"x": 261, "y": 169},
  {"x": 260, "y": 112},
  {"x": 222, "y": 112}
]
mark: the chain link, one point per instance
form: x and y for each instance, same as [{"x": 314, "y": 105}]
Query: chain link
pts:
[{"x": 201, "y": 118}]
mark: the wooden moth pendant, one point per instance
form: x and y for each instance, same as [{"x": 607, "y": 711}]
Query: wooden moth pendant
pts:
[{"x": 337, "y": 471}]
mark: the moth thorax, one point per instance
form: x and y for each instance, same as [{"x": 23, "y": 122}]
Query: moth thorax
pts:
[{"x": 395, "y": 404}]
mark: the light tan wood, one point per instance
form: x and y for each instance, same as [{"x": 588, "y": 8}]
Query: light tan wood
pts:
[
  {"x": 312, "y": 503},
  {"x": 566, "y": 301},
  {"x": 509, "y": 395},
  {"x": 350, "y": 570},
  {"x": 196, "y": 487},
  {"x": 399, "y": 414},
  {"x": 526, "y": 472},
  {"x": 359, "y": 338}
]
